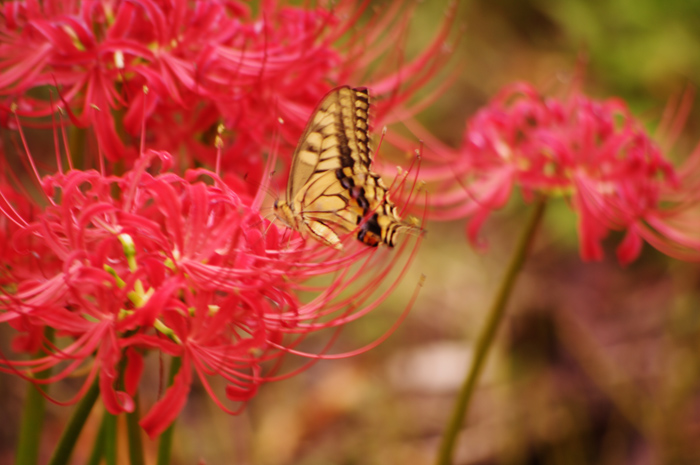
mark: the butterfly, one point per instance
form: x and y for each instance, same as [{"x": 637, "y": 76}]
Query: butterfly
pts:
[{"x": 331, "y": 189}]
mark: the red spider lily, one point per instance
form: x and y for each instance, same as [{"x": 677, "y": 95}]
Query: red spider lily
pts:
[
  {"x": 169, "y": 264},
  {"x": 593, "y": 153},
  {"x": 121, "y": 265},
  {"x": 204, "y": 63}
]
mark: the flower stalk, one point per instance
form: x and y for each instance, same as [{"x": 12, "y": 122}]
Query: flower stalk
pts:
[
  {"x": 33, "y": 417},
  {"x": 110, "y": 438},
  {"x": 133, "y": 431},
  {"x": 485, "y": 341},
  {"x": 98, "y": 446},
  {"x": 61, "y": 455},
  {"x": 32, "y": 424}
]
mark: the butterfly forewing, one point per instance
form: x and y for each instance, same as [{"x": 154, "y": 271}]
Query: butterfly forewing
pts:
[{"x": 336, "y": 137}]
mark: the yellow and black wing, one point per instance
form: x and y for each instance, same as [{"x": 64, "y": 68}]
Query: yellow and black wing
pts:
[
  {"x": 331, "y": 187},
  {"x": 336, "y": 137}
]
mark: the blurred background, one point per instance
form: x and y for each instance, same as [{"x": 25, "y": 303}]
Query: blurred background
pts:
[{"x": 594, "y": 364}]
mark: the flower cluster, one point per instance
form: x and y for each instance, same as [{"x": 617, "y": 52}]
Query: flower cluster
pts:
[
  {"x": 148, "y": 253},
  {"x": 205, "y": 63},
  {"x": 171, "y": 264},
  {"x": 593, "y": 153}
]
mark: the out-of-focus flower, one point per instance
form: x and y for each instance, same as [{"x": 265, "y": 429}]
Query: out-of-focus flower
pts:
[
  {"x": 593, "y": 153},
  {"x": 204, "y": 63},
  {"x": 158, "y": 262}
]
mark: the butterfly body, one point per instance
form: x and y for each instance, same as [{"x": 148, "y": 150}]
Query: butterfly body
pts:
[{"x": 331, "y": 187}]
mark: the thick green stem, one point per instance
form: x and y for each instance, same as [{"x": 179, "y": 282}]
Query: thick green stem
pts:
[
  {"x": 166, "y": 439},
  {"x": 67, "y": 442},
  {"x": 30, "y": 430},
  {"x": 29, "y": 442},
  {"x": 487, "y": 335},
  {"x": 134, "y": 434}
]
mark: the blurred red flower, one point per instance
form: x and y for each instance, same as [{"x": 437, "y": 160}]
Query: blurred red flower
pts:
[{"x": 593, "y": 153}]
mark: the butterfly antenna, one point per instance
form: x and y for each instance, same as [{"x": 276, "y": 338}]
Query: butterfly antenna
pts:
[
  {"x": 267, "y": 228},
  {"x": 262, "y": 187}
]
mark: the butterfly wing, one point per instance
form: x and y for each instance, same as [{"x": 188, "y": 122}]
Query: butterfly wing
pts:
[
  {"x": 336, "y": 137},
  {"x": 331, "y": 187},
  {"x": 334, "y": 146}
]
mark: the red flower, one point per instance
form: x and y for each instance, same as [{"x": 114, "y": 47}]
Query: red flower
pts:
[
  {"x": 177, "y": 265},
  {"x": 593, "y": 153},
  {"x": 204, "y": 63},
  {"x": 186, "y": 265}
]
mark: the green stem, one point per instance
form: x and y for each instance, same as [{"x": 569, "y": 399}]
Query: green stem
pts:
[
  {"x": 98, "y": 448},
  {"x": 166, "y": 439},
  {"x": 65, "y": 445},
  {"x": 133, "y": 431},
  {"x": 30, "y": 429},
  {"x": 29, "y": 442},
  {"x": 487, "y": 335},
  {"x": 110, "y": 438}
]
